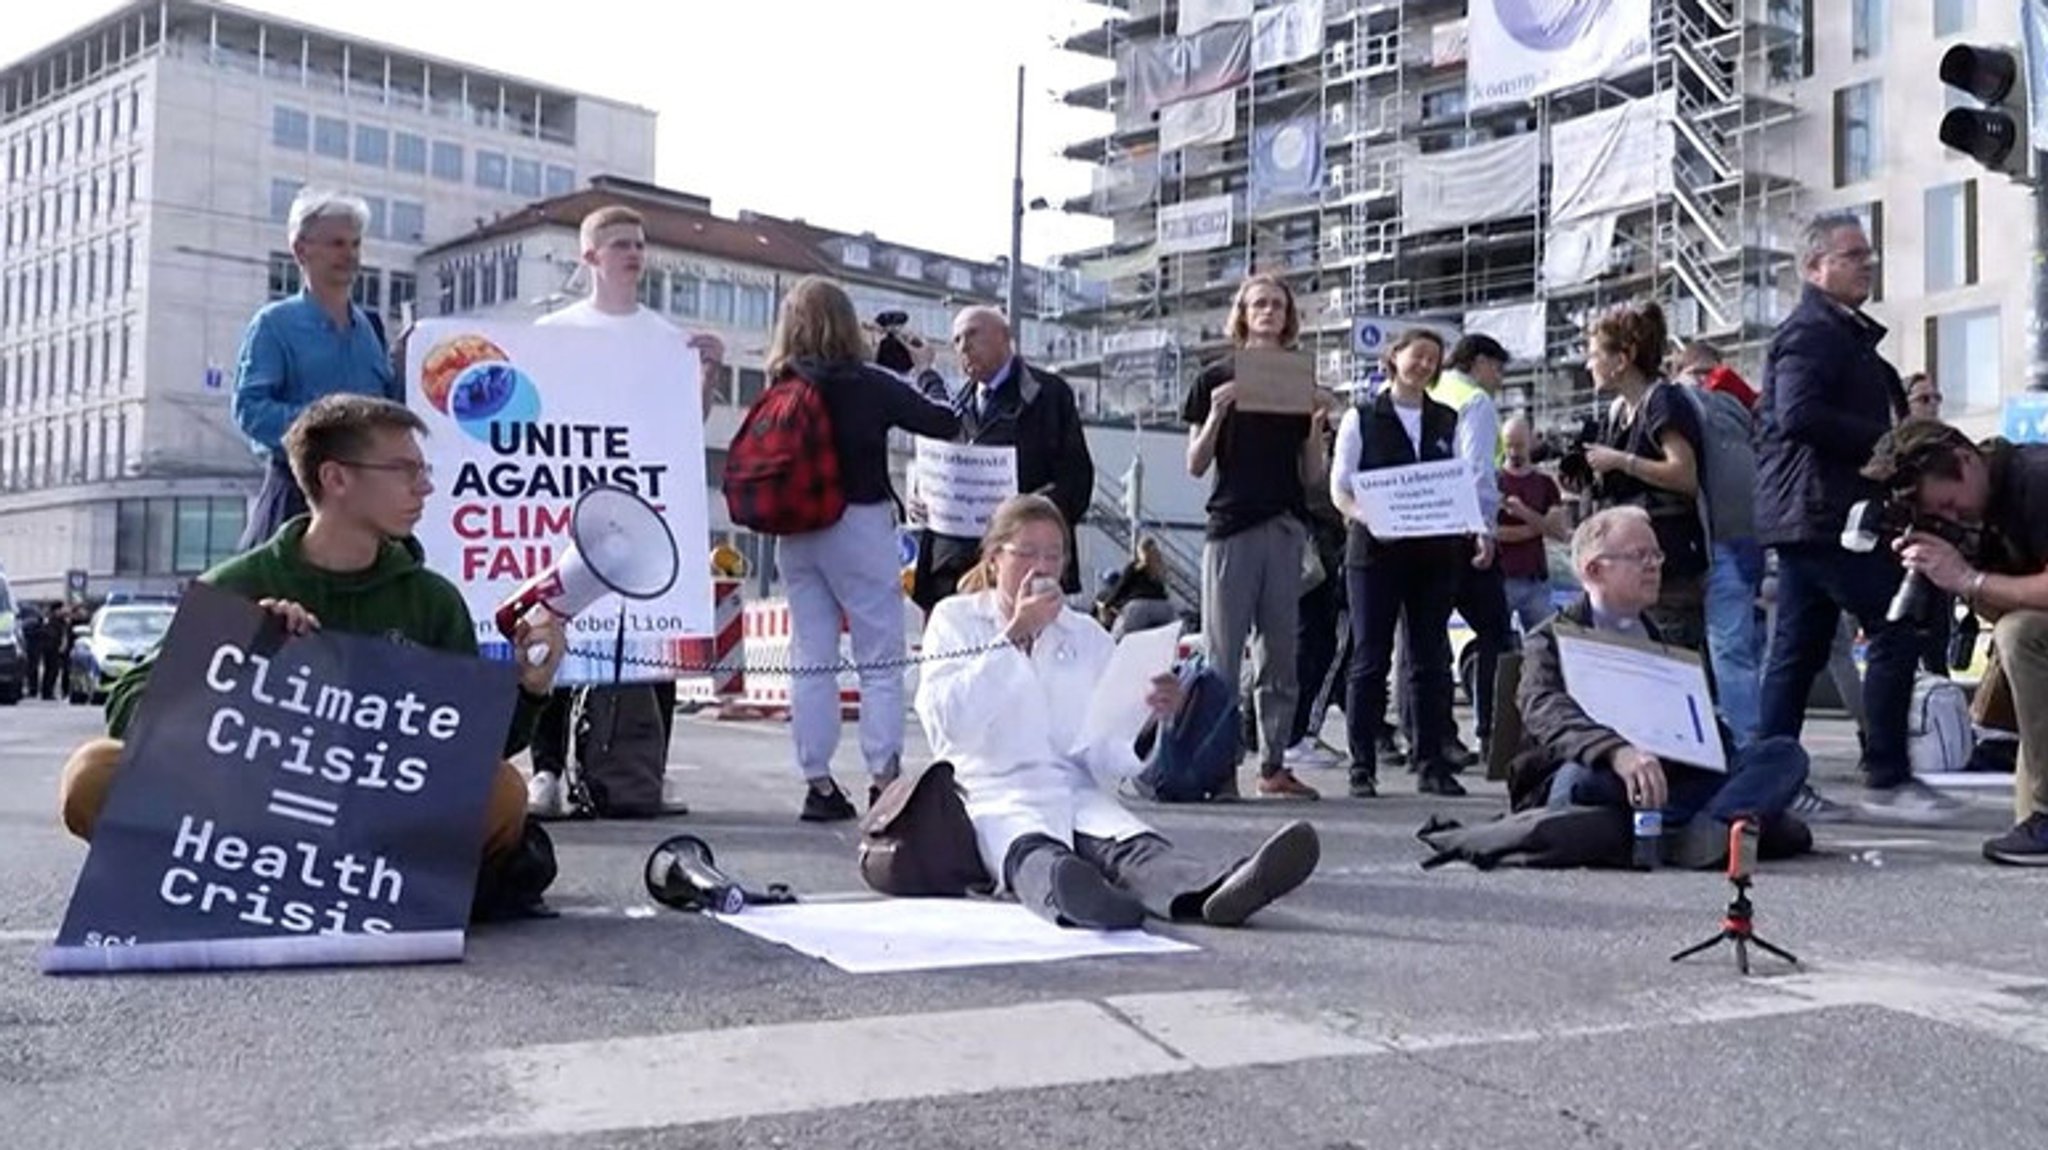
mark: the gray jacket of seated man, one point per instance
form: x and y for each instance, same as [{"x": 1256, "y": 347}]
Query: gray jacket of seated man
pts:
[{"x": 1555, "y": 730}]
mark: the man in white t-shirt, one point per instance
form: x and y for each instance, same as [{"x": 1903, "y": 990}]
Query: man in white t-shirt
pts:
[{"x": 614, "y": 243}]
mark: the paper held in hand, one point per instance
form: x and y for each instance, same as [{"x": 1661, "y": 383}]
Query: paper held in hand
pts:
[
  {"x": 1117, "y": 712},
  {"x": 1655, "y": 697},
  {"x": 962, "y": 484},
  {"x": 1419, "y": 499},
  {"x": 1274, "y": 381}
]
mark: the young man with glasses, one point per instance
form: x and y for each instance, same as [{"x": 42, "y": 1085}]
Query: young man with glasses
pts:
[
  {"x": 1568, "y": 758},
  {"x": 350, "y": 565}
]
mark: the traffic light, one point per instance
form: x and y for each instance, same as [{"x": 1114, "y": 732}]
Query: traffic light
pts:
[{"x": 1994, "y": 133}]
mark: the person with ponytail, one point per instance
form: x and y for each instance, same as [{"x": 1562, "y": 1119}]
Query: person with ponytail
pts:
[
  {"x": 1401, "y": 580},
  {"x": 1648, "y": 457},
  {"x": 1008, "y": 678}
]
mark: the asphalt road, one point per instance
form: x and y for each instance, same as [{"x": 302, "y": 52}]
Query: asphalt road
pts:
[{"x": 1382, "y": 1007}]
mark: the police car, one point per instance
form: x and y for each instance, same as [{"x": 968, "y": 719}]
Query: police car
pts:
[{"x": 13, "y": 649}]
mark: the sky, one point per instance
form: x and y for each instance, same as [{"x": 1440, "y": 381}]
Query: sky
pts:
[{"x": 890, "y": 116}]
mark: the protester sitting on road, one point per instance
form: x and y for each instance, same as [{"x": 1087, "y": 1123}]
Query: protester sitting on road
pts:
[
  {"x": 1135, "y": 598},
  {"x": 1009, "y": 676},
  {"x": 1570, "y": 759},
  {"x": 350, "y": 565},
  {"x": 1997, "y": 496}
]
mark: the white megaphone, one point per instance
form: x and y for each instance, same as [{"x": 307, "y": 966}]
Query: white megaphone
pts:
[{"x": 618, "y": 544}]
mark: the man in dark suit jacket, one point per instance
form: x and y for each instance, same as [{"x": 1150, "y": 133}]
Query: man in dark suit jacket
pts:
[
  {"x": 1009, "y": 403},
  {"x": 1827, "y": 399}
]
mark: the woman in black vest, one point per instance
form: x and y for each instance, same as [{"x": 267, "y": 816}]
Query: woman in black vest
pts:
[{"x": 1386, "y": 579}]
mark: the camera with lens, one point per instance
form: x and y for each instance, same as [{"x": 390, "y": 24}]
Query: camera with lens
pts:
[
  {"x": 1875, "y": 523},
  {"x": 893, "y": 349},
  {"x": 1573, "y": 469}
]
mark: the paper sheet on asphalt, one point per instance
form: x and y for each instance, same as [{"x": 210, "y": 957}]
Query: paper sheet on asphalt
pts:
[{"x": 884, "y": 936}]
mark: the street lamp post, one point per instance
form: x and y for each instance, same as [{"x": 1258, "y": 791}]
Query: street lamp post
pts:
[{"x": 1015, "y": 296}]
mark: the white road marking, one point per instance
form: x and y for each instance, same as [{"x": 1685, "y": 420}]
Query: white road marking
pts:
[{"x": 30, "y": 937}]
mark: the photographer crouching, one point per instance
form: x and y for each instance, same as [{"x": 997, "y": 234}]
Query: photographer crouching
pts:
[{"x": 1974, "y": 523}]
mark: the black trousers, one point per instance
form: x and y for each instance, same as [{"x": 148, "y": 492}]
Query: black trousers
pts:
[
  {"x": 1315, "y": 653},
  {"x": 278, "y": 500},
  {"x": 1382, "y": 593},
  {"x": 1167, "y": 883}
]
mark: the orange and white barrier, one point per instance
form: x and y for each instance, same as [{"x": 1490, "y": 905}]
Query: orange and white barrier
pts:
[
  {"x": 769, "y": 631},
  {"x": 725, "y": 685}
]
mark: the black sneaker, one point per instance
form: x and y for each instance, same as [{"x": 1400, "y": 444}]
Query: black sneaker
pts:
[
  {"x": 827, "y": 806},
  {"x": 2023, "y": 845},
  {"x": 1364, "y": 786},
  {"x": 1439, "y": 780},
  {"x": 1388, "y": 750},
  {"x": 1457, "y": 755}
]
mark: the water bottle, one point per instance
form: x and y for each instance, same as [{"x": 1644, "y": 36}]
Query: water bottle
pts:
[{"x": 1649, "y": 830}]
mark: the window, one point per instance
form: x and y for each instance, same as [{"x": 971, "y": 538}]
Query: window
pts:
[
  {"x": 755, "y": 303},
  {"x": 490, "y": 170},
  {"x": 284, "y": 276},
  {"x": 447, "y": 161},
  {"x": 375, "y": 227},
  {"x": 288, "y": 129},
  {"x": 171, "y": 536},
  {"x": 1790, "y": 56},
  {"x": 561, "y": 180},
  {"x": 189, "y": 548},
  {"x": 854, "y": 255},
  {"x": 1963, "y": 348},
  {"x": 444, "y": 297},
  {"x": 368, "y": 290},
  {"x": 465, "y": 285},
  {"x": 128, "y": 263},
  {"x": 511, "y": 260},
  {"x": 1858, "y": 135},
  {"x": 408, "y": 221},
  {"x": 487, "y": 291},
  {"x": 1951, "y": 235},
  {"x": 682, "y": 294},
  {"x": 959, "y": 278},
  {"x": 1444, "y": 103},
  {"x": 649, "y": 293},
  {"x": 373, "y": 146},
  {"x": 718, "y": 302},
  {"x": 525, "y": 177},
  {"x": 409, "y": 153},
  {"x": 1872, "y": 217},
  {"x": 1953, "y": 16},
  {"x": 330, "y": 137},
  {"x": 1867, "y": 28},
  {"x": 404, "y": 290},
  {"x": 282, "y": 193}
]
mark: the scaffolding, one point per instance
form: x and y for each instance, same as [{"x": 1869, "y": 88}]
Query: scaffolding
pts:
[{"x": 1388, "y": 86}]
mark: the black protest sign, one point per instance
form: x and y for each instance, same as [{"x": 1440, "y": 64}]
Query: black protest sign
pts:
[{"x": 285, "y": 802}]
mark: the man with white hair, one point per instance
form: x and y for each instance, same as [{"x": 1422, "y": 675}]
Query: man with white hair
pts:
[
  {"x": 305, "y": 346},
  {"x": 1569, "y": 758}
]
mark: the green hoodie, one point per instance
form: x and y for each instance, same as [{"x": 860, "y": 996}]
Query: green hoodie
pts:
[{"x": 396, "y": 596}]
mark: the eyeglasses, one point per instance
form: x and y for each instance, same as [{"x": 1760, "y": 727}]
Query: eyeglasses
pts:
[
  {"x": 1056, "y": 555},
  {"x": 1647, "y": 559},
  {"x": 413, "y": 472}
]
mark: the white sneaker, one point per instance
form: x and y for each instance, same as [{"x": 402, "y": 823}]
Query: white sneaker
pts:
[
  {"x": 1911, "y": 802},
  {"x": 546, "y": 797},
  {"x": 1309, "y": 753}
]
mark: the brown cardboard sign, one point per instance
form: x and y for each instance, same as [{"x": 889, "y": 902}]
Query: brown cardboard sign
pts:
[{"x": 1275, "y": 381}]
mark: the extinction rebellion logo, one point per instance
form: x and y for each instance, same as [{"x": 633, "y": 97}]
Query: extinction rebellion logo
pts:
[{"x": 1547, "y": 25}]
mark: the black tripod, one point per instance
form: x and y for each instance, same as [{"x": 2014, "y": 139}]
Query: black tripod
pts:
[{"x": 1736, "y": 928}]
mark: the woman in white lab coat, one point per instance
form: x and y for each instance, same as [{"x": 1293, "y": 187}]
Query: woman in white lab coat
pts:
[{"x": 1008, "y": 676}]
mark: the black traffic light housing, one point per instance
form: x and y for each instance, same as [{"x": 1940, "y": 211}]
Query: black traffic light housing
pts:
[{"x": 1994, "y": 134}]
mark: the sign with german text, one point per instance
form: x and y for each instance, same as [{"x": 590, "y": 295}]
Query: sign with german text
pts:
[
  {"x": 523, "y": 419},
  {"x": 290, "y": 802},
  {"x": 1419, "y": 499}
]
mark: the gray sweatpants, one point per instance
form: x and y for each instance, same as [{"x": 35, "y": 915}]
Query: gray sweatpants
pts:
[
  {"x": 851, "y": 567},
  {"x": 1251, "y": 587}
]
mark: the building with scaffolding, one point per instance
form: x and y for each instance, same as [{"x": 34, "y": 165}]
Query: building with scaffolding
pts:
[{"x": 1410, "y": 161}]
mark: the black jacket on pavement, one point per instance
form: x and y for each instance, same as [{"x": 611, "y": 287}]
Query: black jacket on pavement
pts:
[
  {"x": 1034, "y": 411},
  {"x": 1827, "y": 398}
]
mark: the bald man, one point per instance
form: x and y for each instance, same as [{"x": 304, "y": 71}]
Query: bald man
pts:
[
  {"x": 1008, "y": 403},
  {"x": 1531, "y": 511}
]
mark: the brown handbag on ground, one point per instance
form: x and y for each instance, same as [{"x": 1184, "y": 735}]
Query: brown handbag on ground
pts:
[{"x": 917, "y": 842}]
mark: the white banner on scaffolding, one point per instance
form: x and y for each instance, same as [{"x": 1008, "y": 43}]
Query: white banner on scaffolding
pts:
[
  {"x": 1160, "y": 71},
  {"x": 1449, "y": 43},
  {"x": 1518, "y": 327},
  {"x": 1619, "y": 158},
  {"x": 1578, "y": 252},
  {"x": 1287, "y": 33},
  {"x": 1491, "y": 181},
  {"x": 1522, "y": 49},
  {"x": 1196, "y": 15},
  {"x": 1196, "y": 225},
  {"x": 1208, "y": 119}
]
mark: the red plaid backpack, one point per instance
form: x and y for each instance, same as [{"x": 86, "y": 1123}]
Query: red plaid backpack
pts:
[{"x": 782, "y": 471}]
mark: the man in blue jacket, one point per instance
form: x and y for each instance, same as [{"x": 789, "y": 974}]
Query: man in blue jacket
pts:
[{"x": 1828, "y": 397}]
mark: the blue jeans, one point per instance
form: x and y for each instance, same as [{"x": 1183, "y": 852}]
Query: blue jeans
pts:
[
  {"x": 1762, "y": 780},
  {"x": 1528, "y": 601},
  {"x": 1816, "y": 583},
  {"x": 1735, "y": 640}
]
